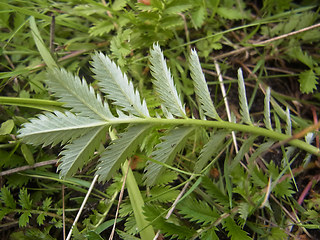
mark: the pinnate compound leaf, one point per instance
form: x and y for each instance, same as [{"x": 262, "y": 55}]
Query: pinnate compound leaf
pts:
[
  {"x": 24, "y": 219},
  {"x": 172, "y": 143},
  {"x": 4, "y": 212},
  {"x": 177, "y": 6},
  {"x": 244, "y": 210},
  {"x": 163, "y": 193},
  {"x": 126, "y": 235},
  {"x": 210, "y": 234},
  {"x": 46, "y": 204},
  {"x": 77, "y": 95},
  {"x": 120, "y": 150},
  {"x": 53, "y": 128},
  {"x": 117, "y": 87},
  {"x": 164, "y": 85},
  {"x": 175, "y": 231},
  {"x": 76, "y": 154},
  {"x": 308, "y": 81},
  {"x": 197, "y": 211},
  {"x": 297, "y": 53},
  {"x": 201, "y": 87},
  {"x": 198, "y": 16},
  {"x": 215, "y": 192},
  {"x": 234, "y": 231},
  {"x": 7, "y": 198},
  {"x": 40, "y": 219},
  {"x": 155, "y": 214},
  {"x": 210, "y": 148},
  {"x": 232, "y": 13},
  {"x": 283, "y": 189},
  {"x": 24, "y": 199},
  {"x": 244, "y": 109}
]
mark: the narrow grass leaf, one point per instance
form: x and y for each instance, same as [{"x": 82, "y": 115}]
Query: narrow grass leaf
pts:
[
  {"x": 164, "y": 85},
  {"x": 120, "y": 150},
  {"x": 77, "y": 153},
  {"x": 165, "y": 152},
  {"x": 244, "y": 109},
  {"x": 53, "y": 128},
  {"x": 42, "y": 104},
  {"x": 77, "y": 95},
  {"x": 201, "y": 87},
  {"x": 267, "y": 118},
  {"x": 144, "y": 227},
  {"x": 117, "y": 87},
  {"x": 44, "y": 52}
]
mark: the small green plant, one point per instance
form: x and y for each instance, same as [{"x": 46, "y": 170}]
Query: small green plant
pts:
[
  {"x": 27, "y": 208},
  {"x": 83, "y": 128}
]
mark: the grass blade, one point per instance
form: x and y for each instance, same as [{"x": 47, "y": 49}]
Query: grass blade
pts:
[{"x": 44, "y": 52}]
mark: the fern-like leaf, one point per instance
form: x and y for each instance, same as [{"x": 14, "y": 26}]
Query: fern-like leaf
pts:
[
  {"x": 244, "y": 109},
  {"x": 209, "y": 149},
  {"x": 164, "y": 84},
  {"x": 120, "y": 150},
  {"x": 201, "y": 87},
  {"x": 234, "y": 231},
  {"x": 7, "y": 198},
  {"x": 155, "y": 214},
  {"x": 165, "y": 152},
  {"x": 24, "y": 218},
  {"x": 77, "y": 95},
  {"x": 267, "y": 118},
  {"x": 79, "y": 151},
  {"x": 163, "y": 194},
  {"x": 117, "y": 87},
  {"x": 24, "y": 199},
  {"x": 210, "y": 234},
  {"x": 197, "y": 211},
  {"x": 53, "y": 128},
  {"x": 215, "y": 192}
]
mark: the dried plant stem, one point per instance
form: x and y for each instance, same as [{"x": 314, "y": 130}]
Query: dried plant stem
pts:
[
  {"x": 23, "y": 168},
  {"x": 224, "y": 95},
  {"x": 258, "y": 44},
  {"x": 120, "y": 200},
  {"x": 82, "y": 205}
]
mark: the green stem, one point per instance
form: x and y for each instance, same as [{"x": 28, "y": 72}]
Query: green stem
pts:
[{"x": 223, "y": 125}]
